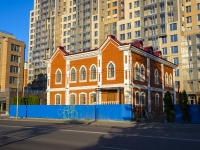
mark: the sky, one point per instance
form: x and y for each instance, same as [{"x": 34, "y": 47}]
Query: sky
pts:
[{"x": 14, "y": 19}]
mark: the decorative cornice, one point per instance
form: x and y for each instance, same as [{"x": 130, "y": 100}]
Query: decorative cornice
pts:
[{"x": 82, "y": 55}]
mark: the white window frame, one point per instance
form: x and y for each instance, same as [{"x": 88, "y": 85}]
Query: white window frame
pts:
[
  {"x": 55, "y": 98},
  {"x": 142, "y": 77},
  {"x": 92, "y": 72},
  {"x": 60, "y": 76},
  {"x": 166, "y": 79},
  {"x": 138, "y": 72},
  {"x": 80, "y": 98},
  {"x": 71, "y": 75},
  {"x": 70, "y": 99},
  {"x": 80, "y": 74},
  {"x": 91, "y": 98},
  {"x": 112, "y": 77}
]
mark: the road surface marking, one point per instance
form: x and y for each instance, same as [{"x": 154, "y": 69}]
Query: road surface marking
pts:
[{"x": 135, "y": 135}]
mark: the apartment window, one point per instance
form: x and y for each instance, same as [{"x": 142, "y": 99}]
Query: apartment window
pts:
[
  {"x": 13, "y": 69},
  {"x": 114, "y": 3},
  {"x": 74, "y": 9},
  {"x": 130, "y": 15},
  {"x": 174, "y": 38},
  {"x": 95, "y": 18},
  {"x": 137, "y": 23},
  {"x": 111, "y": 70},
  {"x": 188, "y": 9},
  {"x": 72, "y": 99},
  {"x": 93, "y": 72},
  {"x": 93, "y": 98},
  {"x": 108, "y": 5},
  {"x": 136, "y": 4},
  {"x": 14, "y": 58},
  {"x": 64, "y": 26},
  {"x": 74, "y": 16},
  {"x": 65, "y": 19},
  {"x": 73, "y": 74},
  {"x": 164, "y": 51},
  {"x": 114, "y": 11},
  {"x": 177, "y": 84},
  {"x": 198, "y": 17},
  {"x": 82, "y": 99},
  {"x": 108, "y": 13},
  {"x": 96, "y": 25},
  {"x": 129, "y": 25},
  {"x": 176, "y": 72},
  {"x": 15, "y": 48},
  {"x": 122, "y": 36},
  {"x": 164, "y": 39},
  {"x": 137, "y": 33},
  {"x": 58, "y": 76},
  {"x": 198, "y": 6},
  {"x": 96, "y": 41},
  {"x": 188, "y": 0},
  {"x": 173, "y": 26},
  {"x": 13, "y": 80},
  {"x": 176, "y": 61},
  {"x": 129, "y": 35},
  {"x": 96, "y": 33},
  {"x": 122, "y": 27},
  {"x": 130, "y": 5},
  {"x": 58, "y": 99},
  {"x": 83, "y": 73},
  {"x": 174, "y": 49},
  {"x": 69, "y": 17},
  {"x": 137, "y": 13},
  {"x": 189, "y": 19}
]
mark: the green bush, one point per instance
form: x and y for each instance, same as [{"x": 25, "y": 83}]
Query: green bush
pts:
[{"x": 169, "y": 107}]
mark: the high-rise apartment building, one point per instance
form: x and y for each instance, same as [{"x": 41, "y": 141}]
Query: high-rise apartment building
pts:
[
  {"x": 170, "y": 26},
  {"x": 11, "y": 66}
]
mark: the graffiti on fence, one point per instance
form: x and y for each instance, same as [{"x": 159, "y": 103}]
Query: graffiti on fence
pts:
[{"x": 68, "y": 112}]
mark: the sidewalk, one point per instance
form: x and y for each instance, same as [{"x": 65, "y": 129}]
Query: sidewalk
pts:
[{"x": 78, "y": 122}]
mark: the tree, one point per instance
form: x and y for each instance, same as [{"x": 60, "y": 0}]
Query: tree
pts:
[
  {"x": 183, "y": 103},
  {"x": 33, "y": 100},
  {"x": 169, "y": 107}
]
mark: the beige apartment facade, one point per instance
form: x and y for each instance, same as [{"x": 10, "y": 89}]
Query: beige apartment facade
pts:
[{"x": 11, "y": 66}]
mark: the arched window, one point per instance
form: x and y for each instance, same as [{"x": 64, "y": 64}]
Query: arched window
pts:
[
  {"x": 137, "y": 98},
  {"x": 156, "y": 81},
  {"x": 58, "y": 99},
  {"x": 73, "y": 74},
  {"x": 166, "y": 79},
  {"x": 83, "y": 73},
  {"x": 170, "y": 80},
  {"x": 58, "y": 76},
  {"x": 93, "y": 98},
  {"x": 82, "y": 99},
  {"x": 142, "y": 98},
  {"x": 72, "y": 99},
  {"x": 137, "y": 72},
  {"x": 142, "y": 73},
  {"x": 93, "y": 73},
  {"x": 157, "y": 100},
  {"x": 111, "y": 70}
]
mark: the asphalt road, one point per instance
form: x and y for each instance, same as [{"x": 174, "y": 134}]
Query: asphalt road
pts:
[{"x": 34, "y": 135}]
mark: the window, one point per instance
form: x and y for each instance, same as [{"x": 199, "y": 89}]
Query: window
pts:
[
  {"x": 13, "y": 80},
  {"x": 164, "y": 39},
  {"x": 129, "y": 25},
  {"x": 173, "y": 26},
  {"x": 188, "y": 9},
  {"x": 142, "y": 98},
  {"x": 176, "y": 60},
  {"x": 198, "y": 17},
  {"x": 157, "y": 100},
  {"x": 108, "y": 5},
  {"x": 96, "y": 25},
  {"x": 136, "y": 4},
  {"x": 137, "y": 13},
  {"x": 93, "y": 98},
  {"x": 174, "y": 38},
  {"x": 136, "y": 72},
  {"x": 177, "y": 84},
  {"x": 82, "y": 99},
  {"x": 122, "y": 36},
  {"x": 137, "y": 23},
  {"x": 156, "y": 81},
  {"x": 174, "y": 49},
  {"x": 166, "y": 79},
  {"x": 129, "y": 35},
  {"x": 73, "y": 74},
  {"x": 96, "y": 41},
  {"x": 137, "y": 98},
  {"x": 137, "y": 33},
  {"x": 177, "y": 72},
  {"x": 96, "y": 33},
  {"x": 122, "y": 27},
  {"x": 189, "y": 19},
  {"x": 83, "y": 73},
  {"x": 111, "y": 71},
  {"x": 15, "y": 48},
  {"x": 58, "y": 76},
  {"x": 170, "y": 80},
  {"x": 164, "y": 51},
  {"x": 93, "y": 73},
  {"x": 14, "y": 58},
  {"x": 198, "y": 6},
  {"x": 114, "y": 3},
  {"x": 58, "y": 99},
  {"x": 13, "y": 69},
  {"x": 72, "y": 99},
  {"x": 130, "y": 15},
  {"x": 130, "y": 5},
  {"x": 95, "y": 18},
  {"x": 142, "y": 73},
  {"x": 114, "y": 11}
]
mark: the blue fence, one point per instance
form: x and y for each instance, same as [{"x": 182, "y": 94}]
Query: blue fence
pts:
[
  {"x": 93, "y": 112},
  {"x": 194, "y": 113}
]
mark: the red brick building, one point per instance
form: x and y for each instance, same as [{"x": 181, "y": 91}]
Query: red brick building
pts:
[{"x": 115, "y": 73}]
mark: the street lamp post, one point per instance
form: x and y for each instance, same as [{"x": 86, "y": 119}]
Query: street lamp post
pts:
[{"x": 18, "y": 86}]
